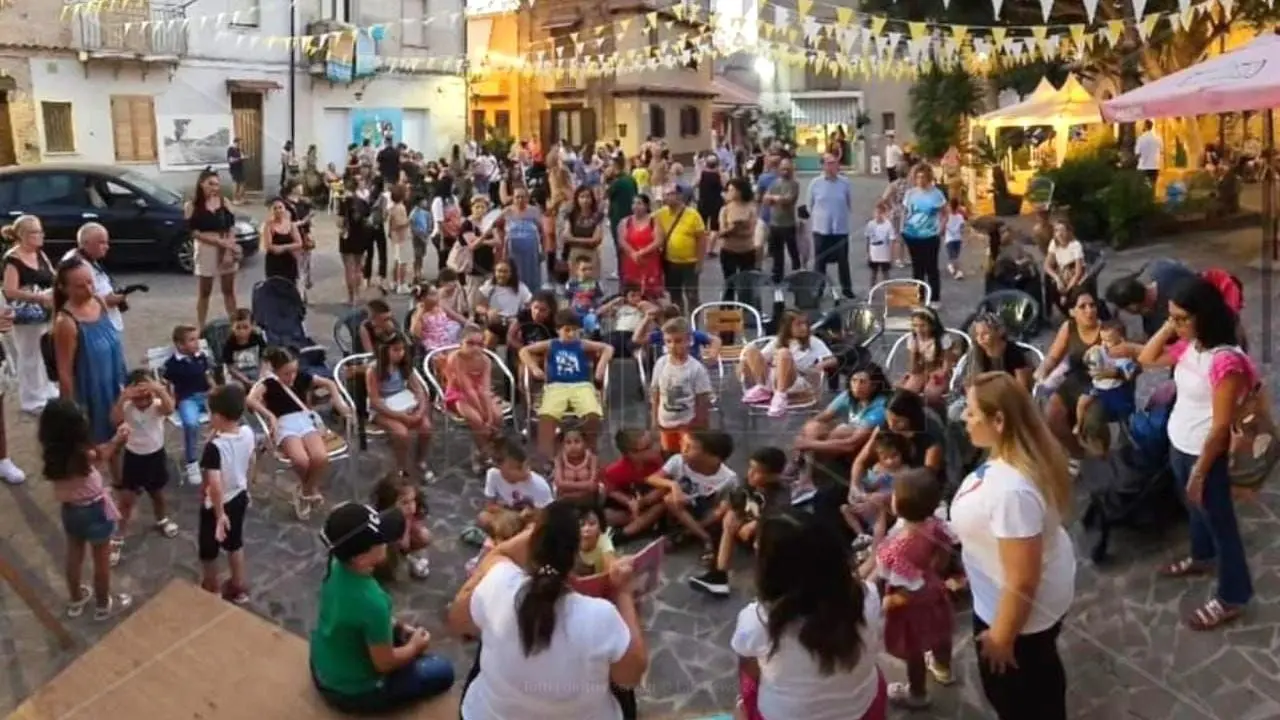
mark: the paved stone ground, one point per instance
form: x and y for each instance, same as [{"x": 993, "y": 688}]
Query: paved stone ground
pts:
[{"x": 1127, "y": 654}]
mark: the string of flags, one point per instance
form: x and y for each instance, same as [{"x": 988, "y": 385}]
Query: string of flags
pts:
[{"x": 842, "y": 43}]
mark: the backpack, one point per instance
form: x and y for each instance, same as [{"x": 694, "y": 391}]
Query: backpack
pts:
[{"x": 1229, "y": 285}]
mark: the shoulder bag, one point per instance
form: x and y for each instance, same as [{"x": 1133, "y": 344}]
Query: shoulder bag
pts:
[{"x": 333, "y": 442}]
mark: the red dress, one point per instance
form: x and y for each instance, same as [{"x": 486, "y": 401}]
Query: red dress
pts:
[
  {"x": 908, "y": 563},
  {"x": 647, "y": 273}
]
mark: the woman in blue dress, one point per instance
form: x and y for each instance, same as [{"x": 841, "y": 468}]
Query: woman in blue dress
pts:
[
  {"x": 87, "y": 350},
  {"x": 522, "y": 226}
]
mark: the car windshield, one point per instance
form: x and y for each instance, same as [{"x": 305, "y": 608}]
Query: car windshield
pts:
[{"x": 149, "y": 186}]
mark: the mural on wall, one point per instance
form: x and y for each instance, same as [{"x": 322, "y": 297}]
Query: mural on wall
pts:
[
  {"x": 376, "y": 125},
  {"x": 193, "y": 141}
]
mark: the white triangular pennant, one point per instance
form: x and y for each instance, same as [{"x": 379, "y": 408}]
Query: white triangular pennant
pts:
[
  {"x": 1227, "y": 7},
  {"x": 1046, "y": 7},
  {"x": 997, "y": 6},
  {"x": 1139, "y": 8},
  {"x": 811, "y": 28},
  {"x": 1090, "y": 9}
]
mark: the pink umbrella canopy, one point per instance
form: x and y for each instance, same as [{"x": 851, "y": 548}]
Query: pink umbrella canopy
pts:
[{"x": 1247, "y": 78}]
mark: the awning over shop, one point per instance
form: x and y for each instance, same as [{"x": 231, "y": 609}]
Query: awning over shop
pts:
[
  {"x": 252, "y": 86},
  {"x": 730, "y": 94},
  {"x": 826, "y": 108}
]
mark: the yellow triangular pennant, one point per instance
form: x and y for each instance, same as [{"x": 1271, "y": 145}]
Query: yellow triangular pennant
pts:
[
  {"x": 917, "y": 30},
  {"x": 844, "y": 16},
  {"x": 959, "y": 32},
  {"x": 877, "y": 24},
  {"x": 1115, "y": 31},
  {"x": 803, "y": 8},
  {"x": 998, "y": 34},
  {"x": 1147, "y": 25},
  {"x": 1077, "y": 35},
  {"x": 1039, "y": 32}
]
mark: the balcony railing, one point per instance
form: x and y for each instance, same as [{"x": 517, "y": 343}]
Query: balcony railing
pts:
[{"x": 155, "y": 32}]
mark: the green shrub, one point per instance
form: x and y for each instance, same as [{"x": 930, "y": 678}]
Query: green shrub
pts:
[
  {"x": 1106, "y": 201},
  {"x": 1129, "y": 204}
]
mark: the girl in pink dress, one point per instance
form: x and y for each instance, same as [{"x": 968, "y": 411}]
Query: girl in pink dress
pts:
[
  {"x": 468, "y": 394},
  {"x": 640, "y": 251},
  {"x": 433, "y": 324},
  {"x": 917, "y": 607},
  {"x": 577, "y": 470}
]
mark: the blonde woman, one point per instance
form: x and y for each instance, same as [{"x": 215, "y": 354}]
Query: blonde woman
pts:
[
  {"x": 28, "y": 288},
  {"x": 1010, "y": 516}
]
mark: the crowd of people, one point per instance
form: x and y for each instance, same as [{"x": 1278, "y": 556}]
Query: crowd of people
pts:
[{"x": 868, "y": 564}]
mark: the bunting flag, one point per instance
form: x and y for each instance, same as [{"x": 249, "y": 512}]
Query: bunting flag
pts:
[
  {"x": 1147, "y": 25},
  {"x": 1090, "y": 10},
  {"x": 1046, "y": 8}
]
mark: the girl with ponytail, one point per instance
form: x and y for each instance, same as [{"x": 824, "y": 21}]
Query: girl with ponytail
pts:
[{"x": 549, "y": 652}]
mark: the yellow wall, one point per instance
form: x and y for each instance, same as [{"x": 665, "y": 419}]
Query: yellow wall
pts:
[{"x": 500, "y": 89}]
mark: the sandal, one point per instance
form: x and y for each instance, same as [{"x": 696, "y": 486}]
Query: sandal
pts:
[
  {"x": 941, "y": 673},
  {"x": 1212, "y": 615},
  {"x": 1186, "y": 567},
  {"x": 167, "y": 527},
  {"x": 75, "y": 608},
  {"x": 113, "y": 554},
  {"x": 115, "y": 604},
  {"x": 900, "y": 694}
]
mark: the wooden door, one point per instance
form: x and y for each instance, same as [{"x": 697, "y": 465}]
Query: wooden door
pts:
[
  {"x": 7, "y": 154},
  {"x": 246, "y": 118}
]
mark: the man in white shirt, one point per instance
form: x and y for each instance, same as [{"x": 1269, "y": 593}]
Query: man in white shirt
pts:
[
  {"x": 1149, "y": 150},
  {"x": 92, "y": 243},
  {"x": 892, "y": 155}
]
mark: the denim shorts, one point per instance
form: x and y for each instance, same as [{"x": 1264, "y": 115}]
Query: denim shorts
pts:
[{"x": 88, "y": 523}]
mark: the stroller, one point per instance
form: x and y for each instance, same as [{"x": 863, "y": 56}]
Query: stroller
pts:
[
  {"x": 1132, "y": 486},
  {"x": 279, "y": 310}
]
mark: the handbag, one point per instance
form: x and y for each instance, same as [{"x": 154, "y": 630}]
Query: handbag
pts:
[
  {"x": 26, "y": 312},
  {"x": 333, "y": 442},
  {"x": 461, "y": 258}
]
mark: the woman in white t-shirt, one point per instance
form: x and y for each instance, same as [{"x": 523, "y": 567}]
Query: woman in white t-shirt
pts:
[
  {"x": 1211, "y": 374},
  {"x": 548, "y": 652},
  {"x": 786, "y": 368},
  {"x": 1063, "y": 263},
  {"x": 802, "y": 653},
  {"x": 1009, "y": 515}
]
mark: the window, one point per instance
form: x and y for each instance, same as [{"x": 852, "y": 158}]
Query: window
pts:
[
  {"x": 657, "y": 121},
  {"x": 245, "y": 13},
  {"x": 690, "y": 121},
  {"x": 59, "y": 132},
  {"x": 478, "y": 125},
  {"x": 51, "y": 189},
  {"x": 502, "y": 123},
  {"x": 412, "y": 32},
  {"x": 888, "y": 122},
  {"x": 336, "y": 10},
  {"x": 655, "y": 42},
  {"x": 133, "y": 127}
]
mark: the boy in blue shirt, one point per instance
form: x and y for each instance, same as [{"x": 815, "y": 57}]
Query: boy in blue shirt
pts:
[
  {"x": 697, "y": 339},
  {"x": 187, "y": 372},
  {"x": 564, "y": 364}
]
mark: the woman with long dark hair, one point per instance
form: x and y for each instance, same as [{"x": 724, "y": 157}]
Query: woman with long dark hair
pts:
[
  {"x": 844, "y": 426},
  {"x": 1213, "y": 376},
  {"x": 584, "y": 226},
  {"x": 215, "y": 254},
  {"x": 295, "y": 200},
  {"x": 807, "y": 647},
  {"x": 355, "y": 237},
  {"x": 736, "y": 223},
  {"x": 549, "y": 653}
]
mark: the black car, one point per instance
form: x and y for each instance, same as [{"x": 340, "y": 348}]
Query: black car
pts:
[{"x": 143, "y": 217}]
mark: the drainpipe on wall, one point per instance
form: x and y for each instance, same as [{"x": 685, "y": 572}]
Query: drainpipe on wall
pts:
[
  {"x": 293, "y": 76},
  {"x": 467, "y": 132}
]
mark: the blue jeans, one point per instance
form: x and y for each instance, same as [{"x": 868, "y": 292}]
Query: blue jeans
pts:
[
  {"x": 1215, "y": 536},
  {"x": 427, "y": 677},
  {"x": 189, "y": 410}
]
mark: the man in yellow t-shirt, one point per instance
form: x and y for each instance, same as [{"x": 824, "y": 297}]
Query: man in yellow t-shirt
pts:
[{"x": 686, "y": 239}]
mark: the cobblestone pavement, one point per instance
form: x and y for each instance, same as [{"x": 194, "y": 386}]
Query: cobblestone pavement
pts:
[{"x": 1127, "y": 654}]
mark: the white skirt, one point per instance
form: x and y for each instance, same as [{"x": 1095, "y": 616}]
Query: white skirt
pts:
[
  {"x": 295, "y": 424},
  {"x": 206, "y": 261}
]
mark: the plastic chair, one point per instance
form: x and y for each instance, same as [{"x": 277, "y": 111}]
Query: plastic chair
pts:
[
  {"x": 349, "y": 375},
  {"x": 729, "y": 319},
  {"x": 432, "y": 368},
  {"x": 1018, "y": 312},
  {"x": 808, "y": 289},
  {"x": 532, "y": 390},
  {"x": 961, "y": 368},
  {"x": 895, "y": 299},
  {"x": 753, "y": 288},
  {"x": 959, "y": 344},
  {"x": 1040, "y": 193},
  {"x": 215, "y": 336}
]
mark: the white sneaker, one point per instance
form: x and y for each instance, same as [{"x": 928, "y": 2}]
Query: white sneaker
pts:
[
  {"x": 11, "y": 473},
  {"x": 193, "y": 474}
]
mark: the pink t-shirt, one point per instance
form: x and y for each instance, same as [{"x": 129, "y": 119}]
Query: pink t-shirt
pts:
[
  {"x": 85, "y": 491},
  {"x": 1226, "y": 361},
  {"x": 437, "y": 329}
]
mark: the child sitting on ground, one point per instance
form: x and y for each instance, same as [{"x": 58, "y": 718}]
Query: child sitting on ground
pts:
[
  {"x": 630, "y": 504},
  {"x": 468, "y": 393},
  {"x": 595, "y": 553},
  {"x": 226, "y": 465},
  {"x": 565, "y": 365},
  {"x": 452, "y": 294},
  {"x": 399, "y": 405},
  {"x": 583, "y": 295},
  {"x": 512, "y": 488},
  {"x": 866, "y": 508},
  {"x": 503, "y": 527},
  {"x": 73, "y": 463},
  {"x": 392, "y": 491},
  {"x": 242, "y": 353},
  {"x": 187, "y": 372},
  {"x": 143, "y": 406},
  {"x": 695, "y": 482},
  {"x": 766, "y": 493},
  {"x": 681, "y": 388},
  {"x": 1112, "y": 367},
  {"x": 929, "y": 357},
  {"x": 577, "y": 470},
  {"x": 917, "y": 606}
]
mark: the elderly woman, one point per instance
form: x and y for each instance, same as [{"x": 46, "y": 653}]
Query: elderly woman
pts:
[
  {"x": 88, "y": 350},
  {"x": 1009, "y": 515},
  {"x": 1212, "y": 375},
  {"x": 28, "y": 285},
  {"x": 549, "y": 652}
]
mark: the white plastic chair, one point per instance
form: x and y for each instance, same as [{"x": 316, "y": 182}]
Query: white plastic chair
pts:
[
  {"x": 958, "y": 374},
  {"x": 803, "y": 404},
  {"x": 434, "y": 382},
  {"x": 344, "y": 366},
  {"x": 895, "y": 299},
  {"x": 156, "y": 358}
]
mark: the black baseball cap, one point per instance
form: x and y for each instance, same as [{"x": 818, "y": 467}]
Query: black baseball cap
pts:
[{"x": 353, "y": 529}]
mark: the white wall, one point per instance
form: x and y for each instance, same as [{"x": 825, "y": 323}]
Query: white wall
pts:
[
  {"x": 211, "y": 39},
  {"x": 434, "y": 108},
  {"x": 197, "y": 88}
]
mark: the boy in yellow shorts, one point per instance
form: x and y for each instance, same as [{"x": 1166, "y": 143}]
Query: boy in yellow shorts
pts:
[{"x": 565, "y": 365}]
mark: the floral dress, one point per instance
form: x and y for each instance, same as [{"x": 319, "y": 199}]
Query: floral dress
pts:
[{"x": 908, "y": 562}]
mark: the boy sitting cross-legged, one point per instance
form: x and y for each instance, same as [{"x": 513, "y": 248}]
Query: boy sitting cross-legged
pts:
[
  {"x": 631, "y": 505},
  {"x": 766, "y": 493},
  {"x": 695, "y": 482}
]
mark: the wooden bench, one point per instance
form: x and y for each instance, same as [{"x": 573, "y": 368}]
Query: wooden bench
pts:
[{"x": 187, "y": 655}]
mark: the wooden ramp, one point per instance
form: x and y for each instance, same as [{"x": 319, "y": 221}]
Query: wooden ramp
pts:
[{"x": 187, "y": 655}]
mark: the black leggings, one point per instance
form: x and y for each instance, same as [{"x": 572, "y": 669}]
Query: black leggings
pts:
[
  {"x": 924, "y": 263},
  {"x": 1035, "y": 688},
  {"x": 442, "y": 245},
  {"x": 783, "y": 239},
  {"x": 378, "y": 244},
  {"x": 732, "y": 263}
]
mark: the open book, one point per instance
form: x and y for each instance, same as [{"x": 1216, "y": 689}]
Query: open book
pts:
[{"x": 646, "y": 576}]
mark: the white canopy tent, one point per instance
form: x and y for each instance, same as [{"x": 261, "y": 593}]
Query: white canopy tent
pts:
[{"x": 1060, "y": 108}]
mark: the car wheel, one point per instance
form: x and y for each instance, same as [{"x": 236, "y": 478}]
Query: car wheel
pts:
[{"x": 184, "y": 254}]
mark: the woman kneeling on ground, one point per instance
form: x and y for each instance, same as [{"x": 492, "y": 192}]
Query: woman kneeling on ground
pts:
[{"x": 363, "y": 661}]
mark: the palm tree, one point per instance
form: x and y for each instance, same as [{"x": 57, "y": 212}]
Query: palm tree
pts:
[{"x": 941, "y": 101}]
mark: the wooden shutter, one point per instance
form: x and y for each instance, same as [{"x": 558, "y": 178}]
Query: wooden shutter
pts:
[
  {"x": 588, "y": 122},
  {"x": 133, "y": 127},
  {"x": 547, "y": 129}
]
